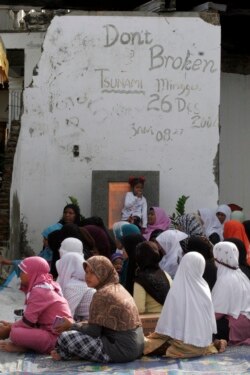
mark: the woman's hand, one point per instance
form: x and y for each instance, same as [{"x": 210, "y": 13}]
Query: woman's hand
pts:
[{"x": 64, "y": 326}]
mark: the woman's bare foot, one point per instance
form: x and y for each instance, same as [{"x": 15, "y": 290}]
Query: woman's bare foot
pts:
[
  {"x": 220, "y": 345},
  {"x": 56, "y": 356},
  {"x": 8, "y": 346}
]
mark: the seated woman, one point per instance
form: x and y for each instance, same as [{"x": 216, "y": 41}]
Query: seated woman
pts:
[
  {"x": 151, "y": 284},
  {"x": 98, "y": 221},
  {"x": 231, "y": 293},
  {"x": 71, "y": 215},
  {"x": 113, "y": 332},
  {"x": 188, "y": 301},
  {"x": 122, "y": 229},
  {"x": 205, "y": 248},
  {"x": 70, "y": 245},
  {"x": 101, "y": 239},
  {"x": 168, "y": 243},
  {"x": 238, "y": 215},
  {"x": 69, "y": 230},
  {"x": 74, "y": 288},
  {"x": 234, "y": 228},
  {"x": 223, "y": 212},
  {"x": 117, "y": 261},
  {"x": 245, "y": 268},
  {"x": 191, "y": 225},
  {"x": 211, "y": 225},
  {"x": 157, "y": 219},
  {"x": 129, "y": 243},
  {"x": 44, "y": 301}
]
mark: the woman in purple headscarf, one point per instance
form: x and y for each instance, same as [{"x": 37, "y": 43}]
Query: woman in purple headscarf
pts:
[{"x": 157, "y": 219}]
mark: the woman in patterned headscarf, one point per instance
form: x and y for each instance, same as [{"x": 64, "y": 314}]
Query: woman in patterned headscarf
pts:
[
  {"x": 191, "y": 225},
  {"x": 113, "y": 332}
]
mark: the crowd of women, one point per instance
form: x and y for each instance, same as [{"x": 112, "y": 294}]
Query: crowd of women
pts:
[{"x": 85, "y": 291}]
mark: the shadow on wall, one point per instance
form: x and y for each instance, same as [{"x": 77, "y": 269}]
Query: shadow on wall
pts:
[{"x": 19, "y": 246}]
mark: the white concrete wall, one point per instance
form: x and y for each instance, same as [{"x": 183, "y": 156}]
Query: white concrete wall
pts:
[
  {"x": 160, "y": 114},
  {"x": 234, "y": 140}
]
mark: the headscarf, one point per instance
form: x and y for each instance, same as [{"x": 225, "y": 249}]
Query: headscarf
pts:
[
  {"x": 162, "y": 221},
  {"x": 191, "y": 225},
  {"x": 55, "y": 239},
  {"x": 231, "y": 293},
  {"x": 71, "y": 245},
  {"x": 38, "y": 270},
  {"x": 149, "y": 275},
  {"x": 235, "y": 207},
  {"x": 211, "y": 223},
  {"x": 101, "y": 239},
  {"x": 124, "y": 228},
  {"x": 234, "y": 228},
  {"x": 112, "y": 306},
  {"x": 47, "y": 252},
  {"x": 242, "y": 255},
  {"x": 45, "y": 233},
  {"x": 238, "y": 215},
  {"x": 170, "y": 243},
  {"x": 246, "y": 224},
  {"x": 188, "y": 313},
  {"x": 129, "y": 243},
  {"x": 76, "y": 210},
  {"x": 97, "y": 220},
  {"x": 69, "y": 267},
  {"x": 226, "y": 210},
  {"x": 203, "y": 246},
  {"x": 116, "y": 256}
]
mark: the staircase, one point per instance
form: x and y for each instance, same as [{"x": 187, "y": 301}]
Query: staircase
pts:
[{"x": 6, "y": 185}]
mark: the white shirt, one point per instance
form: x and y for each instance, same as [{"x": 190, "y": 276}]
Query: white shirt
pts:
[{"x": 135, "y": 206}]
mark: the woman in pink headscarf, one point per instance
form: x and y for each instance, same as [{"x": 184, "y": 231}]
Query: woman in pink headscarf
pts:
[
  {"x": 157, "y": 219},
  {"x": 43, "y": 302}
]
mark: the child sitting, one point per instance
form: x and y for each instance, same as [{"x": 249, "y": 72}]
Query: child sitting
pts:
[
  {"x": 44, "y": 302},
  {"x": 117, "y": 261},
  {"x": 135, "y": 204},
  {"x": 71, "y": 278}
]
